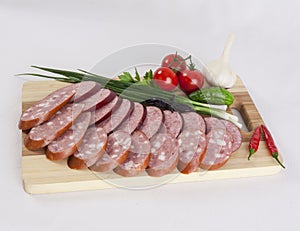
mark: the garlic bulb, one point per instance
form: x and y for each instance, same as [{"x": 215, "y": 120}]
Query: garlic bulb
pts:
[{"x": 218, "y": 72}]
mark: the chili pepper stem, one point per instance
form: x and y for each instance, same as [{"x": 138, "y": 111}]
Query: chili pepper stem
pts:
[
  {"x": 275, "y": 156},
  {"x": 252, "y": 151}
]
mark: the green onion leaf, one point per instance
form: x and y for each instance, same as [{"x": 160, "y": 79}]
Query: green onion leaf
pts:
[{"x": 137, "y": 75}]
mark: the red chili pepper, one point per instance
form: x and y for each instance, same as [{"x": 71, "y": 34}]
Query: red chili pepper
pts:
[
  {"x": 271, "y": 144},
  {"x": 254, "y": 142}
]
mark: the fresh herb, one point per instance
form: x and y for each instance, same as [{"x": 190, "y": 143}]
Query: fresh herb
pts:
[
  {"x": 126, "y": 77},
  {"x": 137, "y": 92},
  {"x": 148, "y": 77},
  {"x": 145, "y": 80},
  {"x": 137, "y": 75}
]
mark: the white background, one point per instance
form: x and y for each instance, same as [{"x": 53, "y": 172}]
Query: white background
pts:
[{"x": 77, "y": 34}]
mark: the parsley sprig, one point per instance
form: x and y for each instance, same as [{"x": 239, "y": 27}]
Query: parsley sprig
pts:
[{"x": 145, "y": 80}]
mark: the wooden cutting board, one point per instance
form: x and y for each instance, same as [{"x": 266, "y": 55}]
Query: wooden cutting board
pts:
[{"x": 41, "y": 175}]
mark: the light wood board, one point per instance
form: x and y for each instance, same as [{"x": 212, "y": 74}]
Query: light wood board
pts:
[{"x": 41, "y": 175}]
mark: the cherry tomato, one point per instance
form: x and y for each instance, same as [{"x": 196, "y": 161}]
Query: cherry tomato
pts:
[
  {"x": 190, "y": 80},
  {"x": 175, "y": 62},
  {"x": 165, "y": 78}
]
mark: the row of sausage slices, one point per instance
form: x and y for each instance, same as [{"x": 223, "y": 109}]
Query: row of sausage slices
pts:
[{"x": 96, "y": 129}]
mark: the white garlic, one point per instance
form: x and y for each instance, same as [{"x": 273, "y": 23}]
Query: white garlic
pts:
[{"x": 218, "y": 72}]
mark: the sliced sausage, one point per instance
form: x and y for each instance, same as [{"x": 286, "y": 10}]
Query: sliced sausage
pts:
[
  {"x": 136, "y": 118},
  {"x": 100, "y": 98},
  {"x": 192, "y": 146},
  {"x": 47, "y": 107},
  {"x": 173, "y": 122},
  {"x": 138, "y": 157},
  {"x": 117, "y": 116},
  {"x": 85, "y": 89},
  {"x": 90, "y": 150},
  {"x": 212, "y": 122},
  {"x": 105, "y": 111},
  {"x": 153, "y": 121},
  {"x": 219, "y": 149},
  {"x": 44, "y": 134},
  {"x": 192, "y": 142},
  {"x": 193, "y": 121},
  {"x": 164, "y": 155},
  {"x": 67, "y": 144},
  {"x": 236, "y": 135},
  {"x": 117, "y": 150}
]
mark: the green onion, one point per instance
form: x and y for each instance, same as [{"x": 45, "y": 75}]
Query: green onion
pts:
[{"x": 134, "y": 92}]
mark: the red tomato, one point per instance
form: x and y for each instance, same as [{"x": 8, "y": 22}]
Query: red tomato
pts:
[
  {"x": 165, "y": 78},
  {"x": 190, "y": 80},
  {"x": 174, "y": 61}
]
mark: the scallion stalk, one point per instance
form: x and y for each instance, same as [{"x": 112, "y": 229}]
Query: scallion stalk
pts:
[{"x": 134, "y": 92}]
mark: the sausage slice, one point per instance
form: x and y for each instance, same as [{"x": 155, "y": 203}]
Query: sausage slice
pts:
[
  {"x": 47, "y": 107},
  {"x": 138, "y": 157},
  {"x": 172, "y": 122},
  {"x": 136, "y": 118},
  {"x": 219, "y": 149},
  {"x": 85, "y": 89},
  {"x": 44, "y": 134},
  {"x": 117, "y": 150},
  {"x": 90, "y": 150},
  {"x": 117, "y": 116},
  {"x": 192, "y": 142},
  {"x": 105, "y": 111},
  {"x": 153, "y": 121},
  {"x": 100, "y": 98},
  {"x": 164, "y": 155},
  {"x": 67, "y": 144},
  {"x": 212, "y": 122},
  {"x": 235, "y": 133},
  {"x": 192, "y": 148},
  {"x": 193, "y": 121}
]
